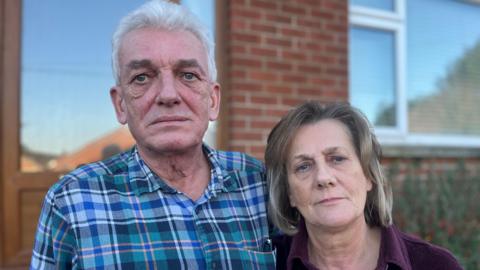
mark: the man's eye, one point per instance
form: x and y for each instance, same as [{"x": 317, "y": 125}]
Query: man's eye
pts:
[
  {"x": 188, "y": 76},
  {"x": 142, "y": 78}
]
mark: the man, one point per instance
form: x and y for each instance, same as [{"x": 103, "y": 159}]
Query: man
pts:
[{"x": 171, "y": 202}]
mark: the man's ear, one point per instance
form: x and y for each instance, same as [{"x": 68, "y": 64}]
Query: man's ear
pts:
[
  {"x": 214, "y": 108},
  {"x": 116, "y": 95}
]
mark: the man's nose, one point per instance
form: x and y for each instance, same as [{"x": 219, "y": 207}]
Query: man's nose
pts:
[{"x": 167, "y": 90}]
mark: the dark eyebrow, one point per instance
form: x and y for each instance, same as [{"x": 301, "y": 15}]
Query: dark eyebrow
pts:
[
  {"x": 331, "y": 150},
  {"x": 301, "y": 157},
  {"x": 327, "y": 151},
  {"x": 188, "y": 63},
  {"x": 137, "y": 64}
]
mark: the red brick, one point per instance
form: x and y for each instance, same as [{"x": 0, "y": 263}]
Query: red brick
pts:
[
  {"x": 238, "y": 135},
  {"x": 245, "y": 86},
  {"x": 277, "y": 65},
  {"x": 291, "y": 32},
  {"x": 283, "y": 42},
  {"x": 278, "y": 18},
  {"x": 297, "y": 10},
  {"x": 246, "y": 111},
  {"x": 279, "y": 89},
  {"x": 264, "y": 5},
  {"x": 263, "y": 52},
  {"x": 294, "y": 55},
  {"x": 246, "y": 13},
  {"x": 246, "y": 37},
  {"x": 264, "y": 100},
  {"x": 263, "y": 28},
  {"x": 263, "y": 124},
  {"x": 263, "y": 76},
  {"x": 246, "y": 62},
  {"x": 294, "y": 78}
]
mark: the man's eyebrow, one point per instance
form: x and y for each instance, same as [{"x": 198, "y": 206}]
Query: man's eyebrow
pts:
[
  {"x": 136, "y": 64},
  {"x": 188, "y": 63}
]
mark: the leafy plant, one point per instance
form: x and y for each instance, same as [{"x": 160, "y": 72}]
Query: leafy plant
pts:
[{"x": 441, "y": 207}]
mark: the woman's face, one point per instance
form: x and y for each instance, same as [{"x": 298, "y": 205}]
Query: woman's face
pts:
[{"x": 326, "y": 181}]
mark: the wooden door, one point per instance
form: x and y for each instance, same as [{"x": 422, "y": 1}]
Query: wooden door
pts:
[{"x": 21, "y": 193}]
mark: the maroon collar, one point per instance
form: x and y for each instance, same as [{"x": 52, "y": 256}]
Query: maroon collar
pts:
[
  {"x": 392, "y": 250},
  {"x": 299, "y": 250}
]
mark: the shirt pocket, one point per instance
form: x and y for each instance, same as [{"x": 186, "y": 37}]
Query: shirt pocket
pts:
[{"x": 251, "y": 259}]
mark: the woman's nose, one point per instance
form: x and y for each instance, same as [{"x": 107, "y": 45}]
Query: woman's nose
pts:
[{"x": 324, "y": 177}]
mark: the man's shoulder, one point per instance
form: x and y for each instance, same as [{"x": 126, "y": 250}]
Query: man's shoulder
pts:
[
  {"x": 89, "y": 176},
  {"x": 238, "y": 161}
]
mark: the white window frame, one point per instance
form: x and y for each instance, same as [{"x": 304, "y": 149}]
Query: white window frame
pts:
[{"x": 399, "y": 135}]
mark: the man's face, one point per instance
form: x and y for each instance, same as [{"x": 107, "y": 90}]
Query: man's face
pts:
[{"x": 165, "y": 95}]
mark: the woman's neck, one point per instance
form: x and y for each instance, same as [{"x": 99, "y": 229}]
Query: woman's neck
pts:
[{"x": 354, "y": 247}]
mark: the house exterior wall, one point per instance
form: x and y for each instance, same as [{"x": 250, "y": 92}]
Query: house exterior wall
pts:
[
  {"x": 278, "y": 54},
  {"x": 281, "y": 53}
]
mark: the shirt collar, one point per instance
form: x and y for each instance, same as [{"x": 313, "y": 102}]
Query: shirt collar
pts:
[
  {"x": 143, "y": 179},
  {"x": 392, "y": 250},
  {"x": 299, "y": 249}
]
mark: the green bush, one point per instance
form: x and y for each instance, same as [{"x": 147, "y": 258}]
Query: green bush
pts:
[{"x": 442, "y": 208}]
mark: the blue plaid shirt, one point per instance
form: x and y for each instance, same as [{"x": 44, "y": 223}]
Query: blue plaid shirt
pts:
[{"x": 117, "y": 214}]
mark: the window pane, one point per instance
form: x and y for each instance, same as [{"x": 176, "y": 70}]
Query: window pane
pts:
[
  {"x": 372, "y": 84},
  {"x": 443, "y": 67},
  {"x": 378, "y": 4},
  {"x": 66, "y": 114}
]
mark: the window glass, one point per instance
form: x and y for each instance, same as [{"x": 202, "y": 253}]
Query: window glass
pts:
[
  {"x": 372, "y": 84},
  {"x": 443, "y": 67},
  {"x": 387, "y": 5},
  {"x": 66, "y": 115}
]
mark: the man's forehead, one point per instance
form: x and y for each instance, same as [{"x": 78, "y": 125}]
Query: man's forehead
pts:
[
  {"x": 170, "y": 47},
  {"x": 178, "y": 64}
]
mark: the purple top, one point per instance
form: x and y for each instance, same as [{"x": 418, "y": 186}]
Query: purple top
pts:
[{"x": 397, "y": 251}]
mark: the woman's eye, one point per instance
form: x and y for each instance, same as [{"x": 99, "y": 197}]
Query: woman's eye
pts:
[
  {"x": 303, "y": 167},
  {"x": 337, "y": 159}
]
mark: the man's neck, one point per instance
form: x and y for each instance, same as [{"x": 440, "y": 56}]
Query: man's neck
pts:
[{"x": 186, "y": 171}]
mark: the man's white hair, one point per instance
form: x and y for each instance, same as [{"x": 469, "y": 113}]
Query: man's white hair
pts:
[{"x": 165, "y": 15}]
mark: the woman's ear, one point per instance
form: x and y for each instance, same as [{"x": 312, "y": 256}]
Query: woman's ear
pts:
[{"x": 116, "y": 95}]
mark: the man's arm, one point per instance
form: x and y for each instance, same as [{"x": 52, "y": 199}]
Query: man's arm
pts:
[{"x": 54, "y": 240}]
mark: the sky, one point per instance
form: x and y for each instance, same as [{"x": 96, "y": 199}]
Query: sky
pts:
[{"x": 66, "y": 70}]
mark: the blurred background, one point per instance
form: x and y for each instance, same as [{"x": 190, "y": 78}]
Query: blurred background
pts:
[{"x": 412, "y": 66}]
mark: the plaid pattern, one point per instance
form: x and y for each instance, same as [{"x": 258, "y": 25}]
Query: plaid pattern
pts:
[{"x": 117, "y": 214}]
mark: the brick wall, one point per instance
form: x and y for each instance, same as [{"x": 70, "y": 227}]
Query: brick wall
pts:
[{"x": 278, "y": 54}]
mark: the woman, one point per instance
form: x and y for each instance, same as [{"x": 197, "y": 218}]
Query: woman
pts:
[{"x": 330, "y": 198}]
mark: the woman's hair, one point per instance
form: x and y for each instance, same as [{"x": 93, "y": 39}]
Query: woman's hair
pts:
[
  {"x": 168, "y": 16},
  {"x": 378, "y": 206}
]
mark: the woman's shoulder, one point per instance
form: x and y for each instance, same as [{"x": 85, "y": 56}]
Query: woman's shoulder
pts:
[
  {"x": 281, "y": 244},
  {"x": 425, "y": 255}
]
